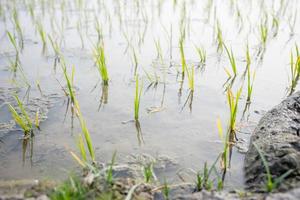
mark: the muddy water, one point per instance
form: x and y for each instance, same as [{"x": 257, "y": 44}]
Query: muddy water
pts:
[{"x": 188, "y": 134}]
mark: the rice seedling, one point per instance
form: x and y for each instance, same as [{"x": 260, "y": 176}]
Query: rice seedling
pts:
[
  {"x": 203, "y": 179},
  {"x": 275, "y": 25},
  {"x": 233, "y": 107},
  {"x": 137, "y": 98},
  {"x": 99, "y": 56},
  {"x": 18, "y": 27},
  {"x": 55, "y": 46},
  {"x": 295, "y": 70},
  {"x": 135, "y": 61},
  {"x": 42, "y": 34},
  {"x": 148, "y": 172},
  {"x": 292, "y": 22},
  {"x": 263, "y": 34},
  {"x": 98, "y": 29},
  {"x": 109, "y": 175},
  {"x": 85, "y": 132},
  {"x": 231, "y": 59},
  {"x": 202, "y": 55},
  {"x": 158, "y": 50},
  {"x": 225, "y": 157},
  {"x": 219, "y": 38},
  {"x": 70, "y": 93},
  {"x": 271, "y": 182},
  {"x": 31, "y": 10},
  {"x": 248, "y": 57},
  {"x": 166, "y": 190},
  {"x": 12, "y": 41},
  {"x": 79, "y": 28},
  {"x": 182, "y": 56},
  {"x": 80, "y": 144},
  {"x": 191, "y": 78},
  {"x": 37, "y": 119},
  {"x": 22, "y": 119},
  {"x": 70, "y": 189},
  {"x": 249, "y": 83}
]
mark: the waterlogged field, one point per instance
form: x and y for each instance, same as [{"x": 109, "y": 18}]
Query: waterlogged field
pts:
[{"x": 184, "y": 79}]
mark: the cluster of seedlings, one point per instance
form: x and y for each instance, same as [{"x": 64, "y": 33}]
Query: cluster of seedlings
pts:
[{"x": 54, "y": 34}]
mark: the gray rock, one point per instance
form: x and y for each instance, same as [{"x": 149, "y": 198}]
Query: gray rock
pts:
[{"x": 277, "y": 135}]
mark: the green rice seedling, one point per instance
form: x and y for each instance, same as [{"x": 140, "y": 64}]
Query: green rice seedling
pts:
[
  {"x": 231, "y": 59},
  {"x": 137, "y": 98},
  {"x": 148, "y": 172},
  {"x": 31, "y": 10},
  {"x": 70, "y": 189},
  {"x": 81, "y": 147},
  {"x": 263, "y": 34},
  {"x": 85, "y": 132},
  {"x": 248, "y": 57},
  {"x": 295, "y": 70},
  {"x": 191, "y": 78},
  {"x": 158, "y": 50},
  {"x": 56, "y": 49},
  {"x": 55, "y": 46},
  {"x": 22, "y": 119},
  {"x": 182, "y": 56},
  {"x": 166, "y": 190},
  {"x": 98, "y": 29},
  {"x": 202, "y": 55},
  {"x": 79, "y": 27},
  {"x": 219, "y": 39},
  {"x": 18, "y": 27},
  {"x": 101, "y": 63},
  {"x": 275, "y": 25},
  {"x": 271, "y": 183},
  {"x": 12, "y": 41},
  {"x": 233, "y": 107},
  {"x": 135, "y": 61},
  {"x": 42, "y": 34},
  {"x": 109, "y": 175},
  {"x": 37, "y": 119},
  {"x": 226, "y": 146},
  {"x": 249, "y": 83},
  {"x": 220, "y": 185},
  {"x": 292, "y": 22},
  {"x": 203, "y": 179},
  {"x": 69, "y": 80}
]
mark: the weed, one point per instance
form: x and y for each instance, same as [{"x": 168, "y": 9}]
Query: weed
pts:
[
  {"x": 271, "y": 183},
  {"x": 148, "y": 172},
  {"x": 109, "y": 176}
]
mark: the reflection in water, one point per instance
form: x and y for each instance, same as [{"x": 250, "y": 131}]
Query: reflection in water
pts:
[
  {"x": 72, "y": 114},
  {"x": 27, "y": 142},
  {"x": 104, "y": 96},
  {"x": 189, "y": 101},
  {"x": 180, "y": 88},
  {"x": 229, "y": 82},
  {"x": 246, "y": 110},
  {"x": 139, "y": 132},
  {"x": 228, "y": 154}
]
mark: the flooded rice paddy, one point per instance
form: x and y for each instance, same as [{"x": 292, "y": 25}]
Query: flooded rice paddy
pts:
[{"x": 178, "y": 50}]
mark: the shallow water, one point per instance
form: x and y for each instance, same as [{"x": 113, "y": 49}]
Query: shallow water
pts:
[{"x": 187, "y": 134}]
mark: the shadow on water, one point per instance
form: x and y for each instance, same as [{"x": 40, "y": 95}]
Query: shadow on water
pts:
[
  {"x": 27, "y": 143},
  {"x": 139, "y": 132},
  {"x": 189, "y": 101},
  {"x": 104, "y": 96},
  {"x": 180, "y": 88}
]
